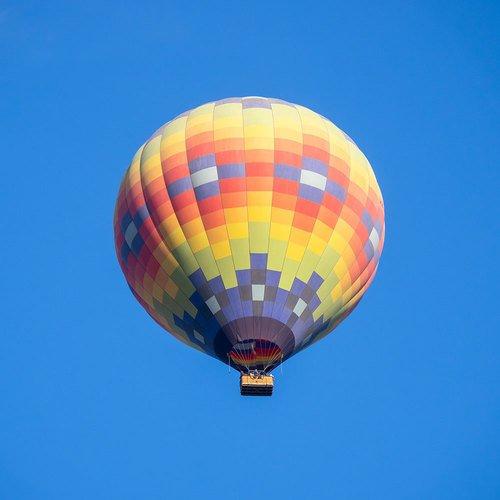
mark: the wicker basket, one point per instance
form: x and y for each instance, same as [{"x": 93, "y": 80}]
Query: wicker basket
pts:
[{"x": 256, "y": 384}]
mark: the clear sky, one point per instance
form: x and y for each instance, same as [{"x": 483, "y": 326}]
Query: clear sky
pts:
[{"x": 402, "y": 402}]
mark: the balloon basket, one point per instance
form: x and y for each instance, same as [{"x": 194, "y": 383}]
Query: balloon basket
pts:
[{"x": 256, "y": 384}]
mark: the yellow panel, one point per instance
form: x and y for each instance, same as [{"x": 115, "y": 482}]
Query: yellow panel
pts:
[
  {"x": 343, "y": 229},
  {"x": 241, "y": 253},
  {"x": 283, "y": 216},
  {"x": 277, "y": 250},
  {"x": 207, "y": 263},
  {"x": 259, "y": 237},
  {"x": 185, "y": 255},
  {"x": 193, "y": 228},
  {"x": 327, "y": 261},
  {"x": 294, "y": 251},
  {"x": 228, "y": 274},
  {"x": 280, "y": 232},
  {"x": 340, "y": 267},
  {"x": 259, "y": 214},
  {"x": 198, "y": 242},
  {"x": 288, "y": 274},
  {"x": 259, "y": 198},
  {"x": 307, "y": 266},
  {"x": 286, "y": 122},
  {"x": 239, "y": 230},
  {"x": 221, "y": 250},
  {"x": 316, "y": 245},
  {"x": 217, "y": 234},
  {"x": 299, "y": 237},
  {"x": 173, "y": 139},
  {"x": 176, "y": 236},
  {"x": 312, "y": 123},
  {"x": 238, "y": 214}
]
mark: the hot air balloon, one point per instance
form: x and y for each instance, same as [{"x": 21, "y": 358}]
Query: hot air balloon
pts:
[{"x": 249, "y": 228}]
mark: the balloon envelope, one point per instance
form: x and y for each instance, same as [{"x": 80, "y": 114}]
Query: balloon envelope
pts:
[{"x": 249, "y": 228}]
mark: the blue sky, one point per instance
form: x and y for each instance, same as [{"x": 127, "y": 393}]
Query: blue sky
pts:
[{"x": 400, "y": 403}]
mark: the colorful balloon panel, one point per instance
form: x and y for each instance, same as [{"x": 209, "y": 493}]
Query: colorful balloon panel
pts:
[{"x": 249, "y": 228}]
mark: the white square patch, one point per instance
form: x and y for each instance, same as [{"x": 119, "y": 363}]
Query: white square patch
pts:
[
  {"x": 299, "y": 307},
  {"x": 212, "y": 304},
  {"x": 258, "y": 292},
  {"x": 198, "y": 336},
  {"x": 374, "y": 238},
  {"x": 204, "y": 176},
  {"x": 313, "y": 179},
  {"x": 130, "y": 233}
]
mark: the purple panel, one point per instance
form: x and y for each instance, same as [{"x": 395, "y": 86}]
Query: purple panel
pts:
[
  {"x": 179, "y": 186},
  {"x": 315, "y": 281},
  {"x": 272, "y": 277},
  {"x": 258, "y": 276},
  {"x": 235, "y": 299},
  {"x": 367, "y": 220},
  {"x": 258, "y": 260},
  {"x": 256, "y": 102},
  {"x": 335, "y": 189},
  {"x": 297, "y": 287},
  {"x": 229, "y": 100},
  {"x": 217, "y": 285},
  {"x": 231, "y": 170},
  {"x": 229, "y": 313},
  {"x": 270, "y": 293},
  {"x": 202, "y": 162},
  {"x": 198, "y": 279},
  {"x": 244, "y": 277},
  {"x": 313, "y": 303},
  {"x": 245, "y": 292},
  {"x": 287, "y": 172},
  {"x": 126, "y": 220},
  {"x": 268, "y": 308},
  {"x": 369, "y": 250},
  {"x": 281, "y": 298},
  {"x": 257, "y": 308},
  {"x": 307, "y": 294},
  {"x": 314, "y": 165},
  {"x": 247, "y": 307},
  {"x": 207, "y": 190},
  {"x": 311, "y": 193},
  {"x": 140, "y": 216},
  {"x": 283, "y": 315}
]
